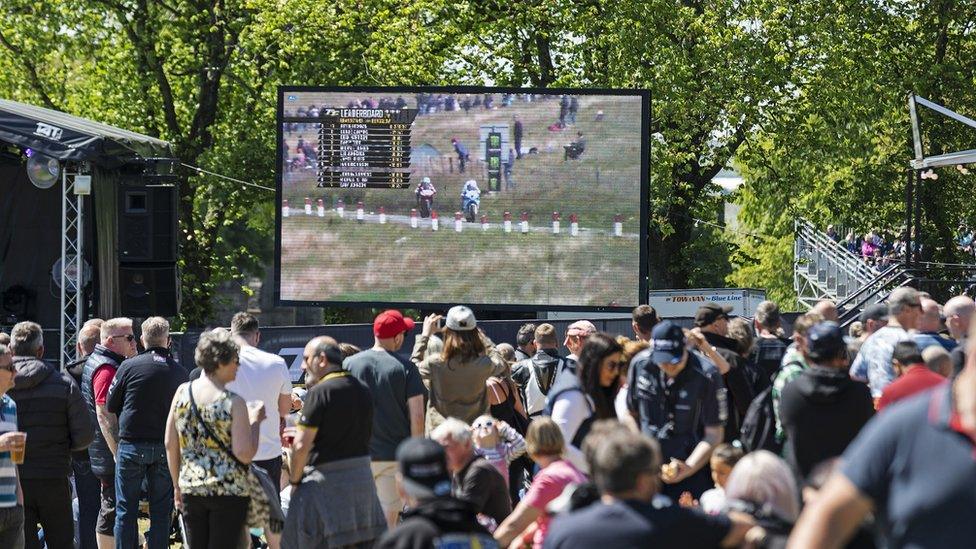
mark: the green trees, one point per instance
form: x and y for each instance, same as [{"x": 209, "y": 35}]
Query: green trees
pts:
[{"x": 807, "y": 99}]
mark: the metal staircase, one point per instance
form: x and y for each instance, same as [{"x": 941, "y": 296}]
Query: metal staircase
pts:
[{"x": 824, "y": 269}]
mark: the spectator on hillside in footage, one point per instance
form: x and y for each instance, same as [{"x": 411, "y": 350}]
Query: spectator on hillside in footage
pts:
[
  {"x": 530, "y": 519},
  {"x": 456, "y": 377},
  {"x": 462, "y": 153},
  {"x": 905, "y": 307},
  {"x": 579, "y": 398},
  {"x": 334, "y": 432},
  {"x": 118, "y": 342},
  {"x": 475, "y": 480},
  {"x": 211, "y": 436},
  {"x": 770, "y": 344},
  {"x": 762, "y": 486},
  {"x": 915, "y": 505},
  {"x": 140, "y": 397},
  {"x": 914, "y": 376},
  {"x": 823, "y": 409},
  {"x": 576, "y": 334},
  {"x": 666, "y": 383},
  {"x": 398, "y": 402},
  {"x": 51, "y": 411},
  {"x": 930, "y": 327}
]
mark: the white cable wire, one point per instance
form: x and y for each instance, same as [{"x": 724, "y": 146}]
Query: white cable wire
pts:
[{"x": 228, "y": 178}]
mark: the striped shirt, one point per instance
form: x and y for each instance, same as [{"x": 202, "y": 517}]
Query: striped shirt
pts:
[{"x": 8, "y": 471}]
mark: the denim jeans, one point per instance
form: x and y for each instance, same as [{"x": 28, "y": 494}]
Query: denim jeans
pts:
[
  {"x": 88, "y": 488},
  {"x": 136, "y": 464}
]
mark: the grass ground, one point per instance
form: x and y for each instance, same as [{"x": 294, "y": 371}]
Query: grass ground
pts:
[{"x": 328, "y": 259}]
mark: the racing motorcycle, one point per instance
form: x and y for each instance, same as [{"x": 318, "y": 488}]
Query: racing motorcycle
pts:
[
  {"x": 470, "y": 200},
  {"x": 425, "y": 198}
]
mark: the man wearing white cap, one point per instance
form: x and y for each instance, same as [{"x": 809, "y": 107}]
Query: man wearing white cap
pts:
[{"x": 455, "y": 377}]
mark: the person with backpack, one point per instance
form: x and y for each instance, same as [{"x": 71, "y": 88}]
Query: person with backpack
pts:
[
  {"x": 577, "y": 399},
  {"x": 679, "y": 405},
  {"x": 535, "y": 375},
  {"x": 770, "y": 344}
]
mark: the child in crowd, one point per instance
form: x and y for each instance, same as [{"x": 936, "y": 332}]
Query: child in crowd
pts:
[
  {"x": 497, "y": 442},
  {"x": 723, "y": 461}
]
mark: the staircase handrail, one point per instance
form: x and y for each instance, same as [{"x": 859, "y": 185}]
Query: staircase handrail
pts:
[{"x": 842, "y": 258}]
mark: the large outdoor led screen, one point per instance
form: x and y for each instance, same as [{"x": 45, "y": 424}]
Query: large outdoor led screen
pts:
[{"x": 496, "y": 198}]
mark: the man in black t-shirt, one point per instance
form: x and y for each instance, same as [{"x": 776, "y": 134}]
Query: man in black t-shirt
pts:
[
  {"x": 475, "y": 480},
  {"x": 140, "y": 396},
  {"x": 334, "y": 502}
]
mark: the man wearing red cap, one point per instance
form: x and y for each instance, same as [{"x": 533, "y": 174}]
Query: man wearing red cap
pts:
[{"x": 398, "y": 402}]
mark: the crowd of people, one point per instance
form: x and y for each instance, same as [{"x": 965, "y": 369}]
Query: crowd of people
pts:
[{"x": 725, "y": 433}]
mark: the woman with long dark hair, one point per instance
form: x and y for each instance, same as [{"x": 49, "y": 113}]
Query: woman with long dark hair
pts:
[
  {"x": 456, "y": 377},
  {"x": 578, "y": 399}
]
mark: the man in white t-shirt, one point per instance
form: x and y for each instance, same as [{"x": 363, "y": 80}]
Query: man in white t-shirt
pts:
[{"x": 262, "y": 376}]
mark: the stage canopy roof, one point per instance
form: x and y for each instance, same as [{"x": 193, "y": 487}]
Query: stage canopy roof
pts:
[{"x": 70, "y": 138}]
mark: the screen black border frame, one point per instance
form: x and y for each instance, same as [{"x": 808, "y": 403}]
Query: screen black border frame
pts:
[{"x": 643, "y": 281}]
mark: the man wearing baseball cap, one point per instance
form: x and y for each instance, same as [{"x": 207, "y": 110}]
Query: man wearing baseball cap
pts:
[
  {"x": 672, "y": 399},
  {"x": 432, "y": 513},
  {"x": 576, "y": 335},
  {"x": 743, "y": 381},
  {"x": 398, "y": 402}
]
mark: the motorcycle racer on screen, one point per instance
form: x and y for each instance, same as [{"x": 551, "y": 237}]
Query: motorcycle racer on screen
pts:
[
  {"x": 470, "y": 200},
  {"x": 425, "y": 197}
]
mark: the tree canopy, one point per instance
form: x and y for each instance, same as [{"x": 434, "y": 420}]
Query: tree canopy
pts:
[{"x": 806, "y": 99}]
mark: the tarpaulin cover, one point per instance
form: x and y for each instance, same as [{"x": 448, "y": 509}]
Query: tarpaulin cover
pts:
[{"x": 70, "y": 138}]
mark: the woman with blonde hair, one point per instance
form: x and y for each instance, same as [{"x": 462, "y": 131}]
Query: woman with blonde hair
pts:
[
  {"x": 456, "y": 377},
  {"x": 763, "y": 486},
  {"x": 530, "y": 521}
]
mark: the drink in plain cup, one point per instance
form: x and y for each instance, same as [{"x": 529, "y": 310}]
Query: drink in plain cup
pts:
[
  {"x": 288, "y": 433},
  {"x": 17, "y": 452}
]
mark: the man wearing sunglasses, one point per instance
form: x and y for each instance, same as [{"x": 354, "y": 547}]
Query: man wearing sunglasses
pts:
[{"x": 117, "y": 343}]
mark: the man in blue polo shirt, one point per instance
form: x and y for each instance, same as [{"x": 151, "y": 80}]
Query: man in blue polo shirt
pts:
[{"x": 914, "y": 467}]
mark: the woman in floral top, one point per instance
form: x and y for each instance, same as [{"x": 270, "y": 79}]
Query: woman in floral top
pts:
[{"x": 211, "y": 486}]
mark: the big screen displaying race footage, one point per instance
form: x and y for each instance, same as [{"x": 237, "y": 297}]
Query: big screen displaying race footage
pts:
[{"x": 521, "y": 198}]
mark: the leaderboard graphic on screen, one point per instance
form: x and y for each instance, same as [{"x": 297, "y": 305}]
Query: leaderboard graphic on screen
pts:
[{"x": 531, "y": 199}]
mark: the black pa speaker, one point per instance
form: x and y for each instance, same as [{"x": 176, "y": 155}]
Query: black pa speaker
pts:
[
  {"x": 147, "y": 223},
  {"x": 148, "y": 289}
]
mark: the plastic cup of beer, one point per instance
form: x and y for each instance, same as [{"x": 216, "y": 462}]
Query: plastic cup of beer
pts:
[{"x": 17, "y": 452}]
